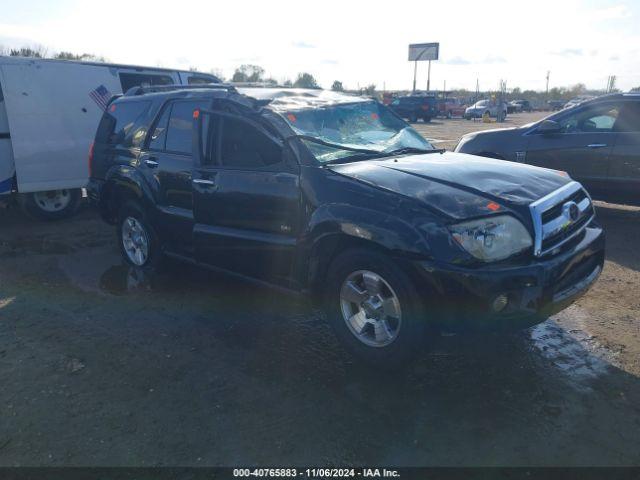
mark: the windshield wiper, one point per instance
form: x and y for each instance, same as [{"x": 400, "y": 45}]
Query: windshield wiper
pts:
[
  {"x": 403, "y": 150},
  {"x": 362, "y": 153}
]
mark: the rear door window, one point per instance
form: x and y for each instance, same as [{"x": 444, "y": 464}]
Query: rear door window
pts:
[
  {"x": 129, "y": 80},
  {"x": 117, "y": 124},
  {"x": 193, "y": 80},
  {"x": 629, "y": 118}
]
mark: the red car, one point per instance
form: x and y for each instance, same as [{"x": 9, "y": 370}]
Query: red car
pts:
[{"x": 450, "y": 107}]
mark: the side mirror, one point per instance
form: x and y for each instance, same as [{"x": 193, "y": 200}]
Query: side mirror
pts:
[{"x": 548, "y": 126}]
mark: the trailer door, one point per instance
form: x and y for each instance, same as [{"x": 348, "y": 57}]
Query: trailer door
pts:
[
  {"x": 6, "y": 154},
  {"x": 53, "y": 109}
]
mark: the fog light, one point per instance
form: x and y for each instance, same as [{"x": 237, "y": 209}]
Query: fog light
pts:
[{"x": 500, "y": 303}]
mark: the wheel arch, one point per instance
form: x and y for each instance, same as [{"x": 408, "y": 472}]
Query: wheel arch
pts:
[{"x": 123, "y": 185}]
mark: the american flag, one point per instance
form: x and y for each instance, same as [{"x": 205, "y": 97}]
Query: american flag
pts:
[{"x": 101, "y": 96}]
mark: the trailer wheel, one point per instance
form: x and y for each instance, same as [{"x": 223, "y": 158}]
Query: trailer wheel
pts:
[{"x": 52, "y": 204}]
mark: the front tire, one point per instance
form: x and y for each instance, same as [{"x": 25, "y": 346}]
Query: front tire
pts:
[
  {"x": 52, "y": 204},
  {"x": 374, "y": 308},
  {"x": 138, "y": 241}
]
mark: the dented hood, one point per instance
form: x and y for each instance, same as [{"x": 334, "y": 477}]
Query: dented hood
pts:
[{"x": 456, "y": 184}]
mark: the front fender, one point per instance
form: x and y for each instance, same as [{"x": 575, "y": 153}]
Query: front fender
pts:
[{"x": 336, "y": 227}]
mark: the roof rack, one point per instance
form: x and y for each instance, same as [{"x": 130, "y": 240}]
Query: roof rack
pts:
[{"x": 140, "y": 90}]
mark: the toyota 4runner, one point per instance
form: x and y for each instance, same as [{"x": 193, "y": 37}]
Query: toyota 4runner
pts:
[{"x": 335, "y": 196}]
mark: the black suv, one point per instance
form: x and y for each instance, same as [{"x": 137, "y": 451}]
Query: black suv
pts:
[
  {"x": 332, "y": 195},
  {"x": 413, "y": 107}
]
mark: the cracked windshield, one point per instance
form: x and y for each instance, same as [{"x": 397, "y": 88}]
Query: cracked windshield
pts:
[{"x": 365, "y": 126}]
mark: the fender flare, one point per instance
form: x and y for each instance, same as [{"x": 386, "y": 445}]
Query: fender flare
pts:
[
  {"x": 123, "y": 182},
  {"x": 337, "y": 226}
]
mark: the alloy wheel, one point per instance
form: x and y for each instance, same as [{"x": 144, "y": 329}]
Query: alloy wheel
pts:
[{"x": 370, "y": 308}]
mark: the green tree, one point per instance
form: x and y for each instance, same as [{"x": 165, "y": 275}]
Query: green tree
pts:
[
  {"x": 305, "y": 80},
  {"x": 369, "y": 90},
  {"x": 635, "y": 89},
  {"x": 248, "y": 73},
  {"x": 287, "y": 83},
  {"x": 337, "y": 86}
]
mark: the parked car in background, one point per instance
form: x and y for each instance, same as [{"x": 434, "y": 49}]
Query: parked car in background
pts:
[
  {"x": 555, "y": 105},
  {"x": 516, "y": 106},
  {"x": 414, "y": 107},
  {"x": 49, "y": 110},
  {"x": 577, "y": 100},
  {"x": 334, "y": 196},
  {"x": 450, "y": 107},
  {"x": 597, "y": 142},
  {"x": 490, "y": 107}
]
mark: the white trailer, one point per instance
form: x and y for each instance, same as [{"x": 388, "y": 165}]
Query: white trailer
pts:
[{"x": 49, "y": 112}]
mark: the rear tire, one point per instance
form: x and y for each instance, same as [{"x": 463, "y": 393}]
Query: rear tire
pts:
[
  {"x": 51, "y": 205},
  {"x": 139, "y": 244},
  {"x": 374, "y": 309},
  {"x": 413, "y": 119}
]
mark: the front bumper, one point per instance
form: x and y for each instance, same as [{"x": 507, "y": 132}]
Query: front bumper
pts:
[{"x": 534, "y": 291}]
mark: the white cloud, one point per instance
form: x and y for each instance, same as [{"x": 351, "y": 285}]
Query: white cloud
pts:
[{"x": 344, "y": 41}]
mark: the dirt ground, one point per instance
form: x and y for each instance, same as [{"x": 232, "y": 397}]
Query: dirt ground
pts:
[{"x": 100, "y": 365}]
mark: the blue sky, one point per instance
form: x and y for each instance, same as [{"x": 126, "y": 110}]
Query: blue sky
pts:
[{"x": 356, "y": 42}]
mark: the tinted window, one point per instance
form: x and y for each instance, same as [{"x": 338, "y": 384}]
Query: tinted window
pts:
[
  {"x": 128, "y": 80},
  {"x": 629, "y": 118},
  {"x": 199, "y": 80},
  {"x": 179, "y": 131},
  {"x": 118, "y": 122},
  {"x": 597, "y": 118},
  {"x": 243, "y": 146}
]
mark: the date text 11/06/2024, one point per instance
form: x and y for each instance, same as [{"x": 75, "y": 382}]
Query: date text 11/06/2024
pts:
[{"x": 316, "y": 472}]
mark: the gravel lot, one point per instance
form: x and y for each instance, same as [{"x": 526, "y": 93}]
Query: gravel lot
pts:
[{"x": 101, "y": 365}]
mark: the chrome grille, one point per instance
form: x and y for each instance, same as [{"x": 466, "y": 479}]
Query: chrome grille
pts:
[{"x": 559, "y": 217}]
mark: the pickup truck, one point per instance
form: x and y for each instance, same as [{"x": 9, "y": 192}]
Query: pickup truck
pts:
[
  {"x": 414, "y": 107},
  {"x": 334, "y": 197},
  {"x": 450, "y": 107}
]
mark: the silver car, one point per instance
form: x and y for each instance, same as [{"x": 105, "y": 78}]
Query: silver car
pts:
[{"x": 478, "y": 109}]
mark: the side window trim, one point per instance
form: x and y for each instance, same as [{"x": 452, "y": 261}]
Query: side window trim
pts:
[{"x": 166, "y": 106}]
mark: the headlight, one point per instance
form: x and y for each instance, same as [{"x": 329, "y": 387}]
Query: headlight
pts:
[{"x": 493, "y": 238}]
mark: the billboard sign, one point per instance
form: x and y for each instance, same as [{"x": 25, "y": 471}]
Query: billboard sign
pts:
[{"x": 423, "y": 51}]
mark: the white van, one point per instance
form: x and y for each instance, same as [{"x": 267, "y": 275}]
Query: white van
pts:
[{"x": 49, "y": 112}]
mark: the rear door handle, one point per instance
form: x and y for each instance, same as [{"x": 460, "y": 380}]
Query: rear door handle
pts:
[
  {"x": 597, "y": 145},
  {"x": 151, "y": 162},
  {"x": 206, "y": 184},
  {"x": 202, "y": 181}
]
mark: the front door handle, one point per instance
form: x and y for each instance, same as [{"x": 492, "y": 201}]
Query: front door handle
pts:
[
  {"x": 597, "y": 145},
  {"x": 151, "y": 162},
  {"x": 202, "y": 181}
]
